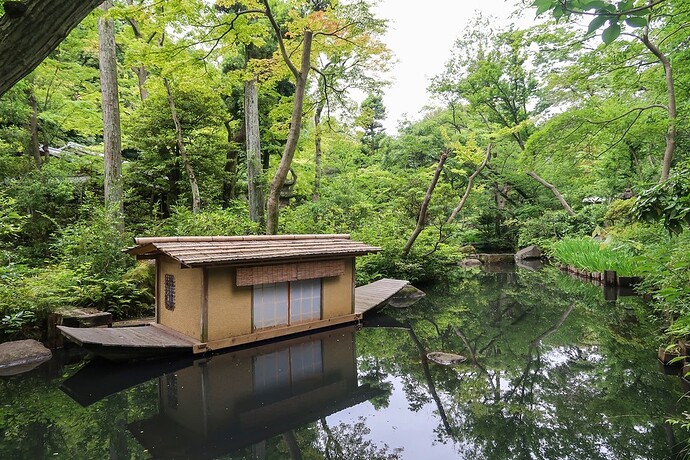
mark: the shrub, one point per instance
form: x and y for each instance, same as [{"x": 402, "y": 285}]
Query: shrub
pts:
[{"x": 231, "y": 221}]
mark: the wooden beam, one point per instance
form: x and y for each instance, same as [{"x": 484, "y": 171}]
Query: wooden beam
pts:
[{"x": 273, "y": 333}]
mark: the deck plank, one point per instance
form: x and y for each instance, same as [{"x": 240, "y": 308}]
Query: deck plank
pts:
[
  {"x": 377, "y": 293},
  {"x": 144, "y": 336}
]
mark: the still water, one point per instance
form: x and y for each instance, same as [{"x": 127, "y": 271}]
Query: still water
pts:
[{"x": 552, "y": 372}]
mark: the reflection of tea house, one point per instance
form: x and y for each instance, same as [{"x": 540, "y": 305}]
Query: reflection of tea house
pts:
[{"x": 239, "y": 399}]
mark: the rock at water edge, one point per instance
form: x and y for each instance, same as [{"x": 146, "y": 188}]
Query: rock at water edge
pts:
[
  {"x": 530, "y": 252},
  {"x": 22, "y": 356}
]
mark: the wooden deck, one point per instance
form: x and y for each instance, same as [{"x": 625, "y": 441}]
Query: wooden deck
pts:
[
  {"x": 135, "y": 342},
  {"x": 375, "y": 294},
  {"x": 158, "y": 340}
]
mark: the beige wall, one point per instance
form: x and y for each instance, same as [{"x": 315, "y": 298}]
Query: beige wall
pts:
[
  {"x": 229, "y": 306},
  {"x": 338, "y": 293},
  {"x": 186, "y": 317}
]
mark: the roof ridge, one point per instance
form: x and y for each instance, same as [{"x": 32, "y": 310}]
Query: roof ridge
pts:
[{"x": 220, "y": 238}]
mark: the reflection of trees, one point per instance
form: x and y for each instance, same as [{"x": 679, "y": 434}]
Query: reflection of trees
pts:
[
  {"x": 350, "y": 442},
  {"x": 38, "y": 419},
  {"x": 535, "y": 384}
]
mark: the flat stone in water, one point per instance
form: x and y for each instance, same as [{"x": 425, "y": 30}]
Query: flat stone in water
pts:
[
  {"x": 470, "y": 263},
  {"x": 445, "y": 359},
  {"x": 406, "y": 297},
  {"x": 22, "y": 356}
]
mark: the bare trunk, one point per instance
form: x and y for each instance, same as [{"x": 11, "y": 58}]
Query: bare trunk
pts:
[
  {"x": 318, "y": 167},
  {"x": 255, "y": 176},
  {"x": 33, "y": 130},
  {"x": 554, "y": 190},
  {"x": 32, "y": 30},
  {"x": 112, "y": 143},
  {"x": 501, "y": 196},
  {"x": 292, "y": 446},
  {"x": 431, "y": 386},
  {"x": 293, "y": 136},
  {"x": 231, "y": 159},
  {"x": 196, "y": 197},
  {"x": 470, "y": 183},
  {"x": 672, "y": 108},
  {"x": 142, "y": 74},
  {"x": 421, "y": 220}
]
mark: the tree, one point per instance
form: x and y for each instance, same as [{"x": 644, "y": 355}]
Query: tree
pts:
[
  {"x": 30, "y": 30},
  {"x": 194, "y": 185},
  {"x": 491, "y": 72},
  {"x": 654, "y": 23},
  {"x": 255, "y": 175},
  {"x": 112, "y": 143},
  {"x": 300, "y": 74},
  {"x": 373, "y": 113},
  {"x": 421, "y": 220}
]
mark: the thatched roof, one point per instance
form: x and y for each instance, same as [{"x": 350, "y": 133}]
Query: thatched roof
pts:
[{"x": 199, "y": 251}]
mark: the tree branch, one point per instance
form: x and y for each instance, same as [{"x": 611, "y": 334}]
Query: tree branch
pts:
[
  {"x": 470, "y": 182},
  {"x": 279, "y": 38}
]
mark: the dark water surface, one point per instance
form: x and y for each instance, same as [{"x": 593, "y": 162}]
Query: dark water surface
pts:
[{"x": 552, "y": 372}]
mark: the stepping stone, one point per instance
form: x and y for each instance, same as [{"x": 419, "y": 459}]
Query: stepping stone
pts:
[{"x": 445, "y": 359}]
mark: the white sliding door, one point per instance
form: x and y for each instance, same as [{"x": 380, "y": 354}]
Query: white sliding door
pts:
[{"x": 270, "y": 305}]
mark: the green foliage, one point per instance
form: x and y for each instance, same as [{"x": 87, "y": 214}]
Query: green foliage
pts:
[
  {"x": 93, "y": 245},
  {"x": 594, "y": 256},
  {"x": 668, "y": 201},
  {"x": 630, "y": 12},
  {"x": 667, "y": 270},
  {"x": 231, "y": 221},
  {"x": 548, "y": 227},
  {"x": 620, "y": 212}
]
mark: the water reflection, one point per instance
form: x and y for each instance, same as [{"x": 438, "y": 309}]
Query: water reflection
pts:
[
  {"x": 237, "y": 400},
  {"x": 553, "y": 371}
]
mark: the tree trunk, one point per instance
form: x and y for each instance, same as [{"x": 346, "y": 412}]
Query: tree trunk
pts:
[
  {"x": 273, "y": 207},
  {"x": 140, "y": 71},
  {"x": 231, "y": 160},
  {"x": 318, "y": 167},
  {"x": 196, "y": 197},
  {"x": 470, "y": 182},
  {"x": 32, "y": 30},
  {"x": 421, "y": 220},
  {"x": 33, "y": 130},
  {"x": 112, "y": 143},
  {"x": 554, "y": 190},
  {"x": 255, "y": 176},
  {"x": 672, "y": 108},
  {"x": 292, "y": 446}
]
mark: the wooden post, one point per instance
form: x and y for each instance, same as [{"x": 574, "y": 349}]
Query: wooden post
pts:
[
  {"x": 610, "y": 278},
  {"x": 610, "y": 293},
  {"x": 53, "y": 335}
]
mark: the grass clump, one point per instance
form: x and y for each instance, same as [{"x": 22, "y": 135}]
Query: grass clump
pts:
[{"x": 588, "y": 254}]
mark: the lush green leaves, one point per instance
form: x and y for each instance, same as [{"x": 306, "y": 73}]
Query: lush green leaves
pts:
[{"x": 611, "y": 33}]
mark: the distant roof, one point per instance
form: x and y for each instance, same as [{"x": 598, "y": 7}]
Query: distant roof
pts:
[{"x": 199, "y": 251}]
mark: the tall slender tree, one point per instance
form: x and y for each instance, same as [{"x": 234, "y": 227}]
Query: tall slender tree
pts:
[{"x": 112, "y": 139}]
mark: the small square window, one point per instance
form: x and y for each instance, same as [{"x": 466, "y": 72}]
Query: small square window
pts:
[{"x": 170, "y": 292}]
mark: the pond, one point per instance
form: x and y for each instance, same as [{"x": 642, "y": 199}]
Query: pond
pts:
[{"x": 553, "y": 371}]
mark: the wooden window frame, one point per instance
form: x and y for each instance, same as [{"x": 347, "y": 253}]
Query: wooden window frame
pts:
[{"x": 169, "y": 291}]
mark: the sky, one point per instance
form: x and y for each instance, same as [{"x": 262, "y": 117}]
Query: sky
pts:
[{"x": 421, "y": 35}]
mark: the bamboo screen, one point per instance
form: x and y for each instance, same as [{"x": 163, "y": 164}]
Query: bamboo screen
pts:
[{"x": 250, "y": 276}]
